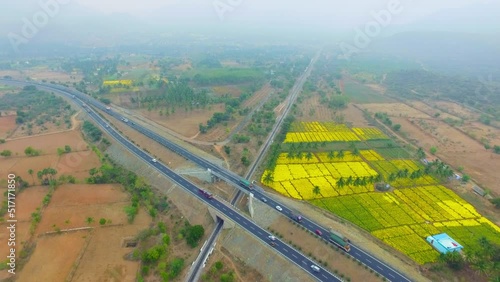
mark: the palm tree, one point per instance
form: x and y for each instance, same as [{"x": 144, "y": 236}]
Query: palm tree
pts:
[
  {"x": 30, "y": 171},
  {"x": 340, "y": 154},
  {"x": 289, "y": 155},
  {"x": 355, "y": 151},
  {"x": 377, "y": 178},
  {"x": 309, "y": 156},
  {"x": 268, "y": 178},
  {"x": 349, "y": 180},
  {"x": 316, "y": 190},
  {"x": 420, "y": 153},
  {"x": 299, "y": 155},
  {"x": 363, "y": 181},
  {"x": 340, "y": 183},
  {"x": 357, "y": 181},
  {"x": 331, "y": 155},
  {"x": 392, "y": 177}
]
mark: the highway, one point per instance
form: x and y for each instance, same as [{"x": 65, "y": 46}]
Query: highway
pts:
[
  {"x": 224, "y": 208},
  {"x": 294, "y": 92},
  {"x": 363, "y": 256}
]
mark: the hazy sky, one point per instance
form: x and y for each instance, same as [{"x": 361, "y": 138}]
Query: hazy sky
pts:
[{"x": 350, "y": 12}]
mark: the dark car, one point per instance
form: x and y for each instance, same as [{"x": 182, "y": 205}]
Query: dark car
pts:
[{"x": 318, "y": 232}]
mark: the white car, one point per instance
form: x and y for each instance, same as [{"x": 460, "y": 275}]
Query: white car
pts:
[
  {"x": 271, "y": 237},
  {"x": 154, "y": 160},
  {"x": 315, "y": 268},
  {"x": 279, "y": 208}
]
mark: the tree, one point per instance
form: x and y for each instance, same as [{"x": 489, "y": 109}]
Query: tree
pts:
[
  {"x": 465, "y": 178},
  {"x": 67, "y": 149},
  {"x": 340, "y": 183},
  {"x": 453, "y": 259},
  {"x": 6, "y": 153},
  {"x": 496, "y": 202},
  {"x": 420, "y": 153},
  {"x": 90, "y": 220},
  {"x": 268, "y": 178},
  {"x": 219, "y": 265},
  {"x": 331, "y": 155},
  {"x": 309, "y": 156},
  {"x": 316, "y": 190},
  {"x": 102, "y": 221},
  {"x": 30, "y": 172},
  {"x": 30, "y": 152},
  {"x": 194, "y": 234},
  {"x": 396, "y": 127},
  {"x": 340, "y": 154},
  {"x": 433, "y": 150},
  {"x": 227, "y": 149},
  {"x": 496, "y": 149}
]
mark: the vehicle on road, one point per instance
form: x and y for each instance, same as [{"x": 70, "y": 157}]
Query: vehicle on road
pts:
[
  {"x": 264, "y": 200},
  {"x": 108, "y": 108},
  {"x": 273, "y": 244},
  {"x": 339, "y": 240},
  {"x": 271, "y": 237},
  {"x": 315, "y": 268},
  {"x": 279, "y": 208},
  {"x": 107, "y": 125},
  {"x": 246, "y": 183},
  {"x": 207, "y": 194},
  {"x": 297, "y": 217},
  {"x": 73, "y": 96},
  {"x": 318, "y": 232},
  {"x": 154, "y": 160}
]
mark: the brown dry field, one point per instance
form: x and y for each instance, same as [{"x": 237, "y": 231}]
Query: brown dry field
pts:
[
  {"x": 182, "y": 122},
  {"x": 432, "y": 111},
  {"x": 354, "y": 116},
  {"x": 481, "y": 131},
  {"x": 395, "y": 110},
  {"x": 232, "y": 90},
  {"x": 39, "y": 73},
  {"x": 72, "y": 204},
  {"x": 455, "y": 148},
  {"x": 103, "y": 259},
  {"x": 258, "y": 96},
  {"x": 321, "y": 251},
  {"x": 7, "y": 125},
  {"x": 76, "y": 163},
  {"x": 53, "y": 257},
  {"x": 457, "y": 110},
  {"x": 47, "y": 143},
  {"x": 321, "y": 112}
]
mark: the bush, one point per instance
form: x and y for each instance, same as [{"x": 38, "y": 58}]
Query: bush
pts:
[
  {"x": 102, "y": 221},
  {"x": 219, "y": 265}
]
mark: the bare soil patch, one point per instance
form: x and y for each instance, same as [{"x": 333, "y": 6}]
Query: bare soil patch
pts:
[
  {"x": 232, "y": 90},
  {"x": 456, "y": 110},
  {"x": 47, "y": 143},
  {"x": 7, "y": 125},
  {"x": 482, "y": 132},
  {"x": 425, "y": 108},
  {"x": 354, "y": 116},
  {"x": 53, "y": 257},
  {"x": 258, "y": 96},
  {"x": 182, "y": 122},
  {"x": 71, "y": 205},
  {"x": 395, "y": 110},
  {"x": 313, "y": 110},
  {"x": 103, "y": 258},
  {"x": 44, "y": 73},
  {"x": 455, "y": 148}
]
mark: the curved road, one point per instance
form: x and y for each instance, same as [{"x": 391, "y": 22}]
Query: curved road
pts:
[
  {"x": 358, "y": 253},
  {"x": 292, "y": 254}
]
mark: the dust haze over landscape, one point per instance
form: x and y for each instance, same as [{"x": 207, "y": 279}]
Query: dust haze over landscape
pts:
[{"x": 237, "y": 140}]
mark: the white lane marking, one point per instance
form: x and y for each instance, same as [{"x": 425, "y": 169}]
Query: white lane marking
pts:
[
  {"x": 378, "y": 266},
  {"x": 294, "y": 256},
  {"x": 369, "y": 261}
]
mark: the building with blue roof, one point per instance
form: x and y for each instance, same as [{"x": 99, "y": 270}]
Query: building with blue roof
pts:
[{"x": 444, "y": 243}]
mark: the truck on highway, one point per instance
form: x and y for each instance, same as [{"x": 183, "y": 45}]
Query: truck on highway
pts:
[
  {"x": 207, "y": 194},
  {"x": 246, "y": 183},
  {"x": 339, "y": 240}
]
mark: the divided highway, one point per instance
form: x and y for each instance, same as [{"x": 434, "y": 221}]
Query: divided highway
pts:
[
  {"x": 368, "y": 259},
  {"x": 292, "y": 254}
]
